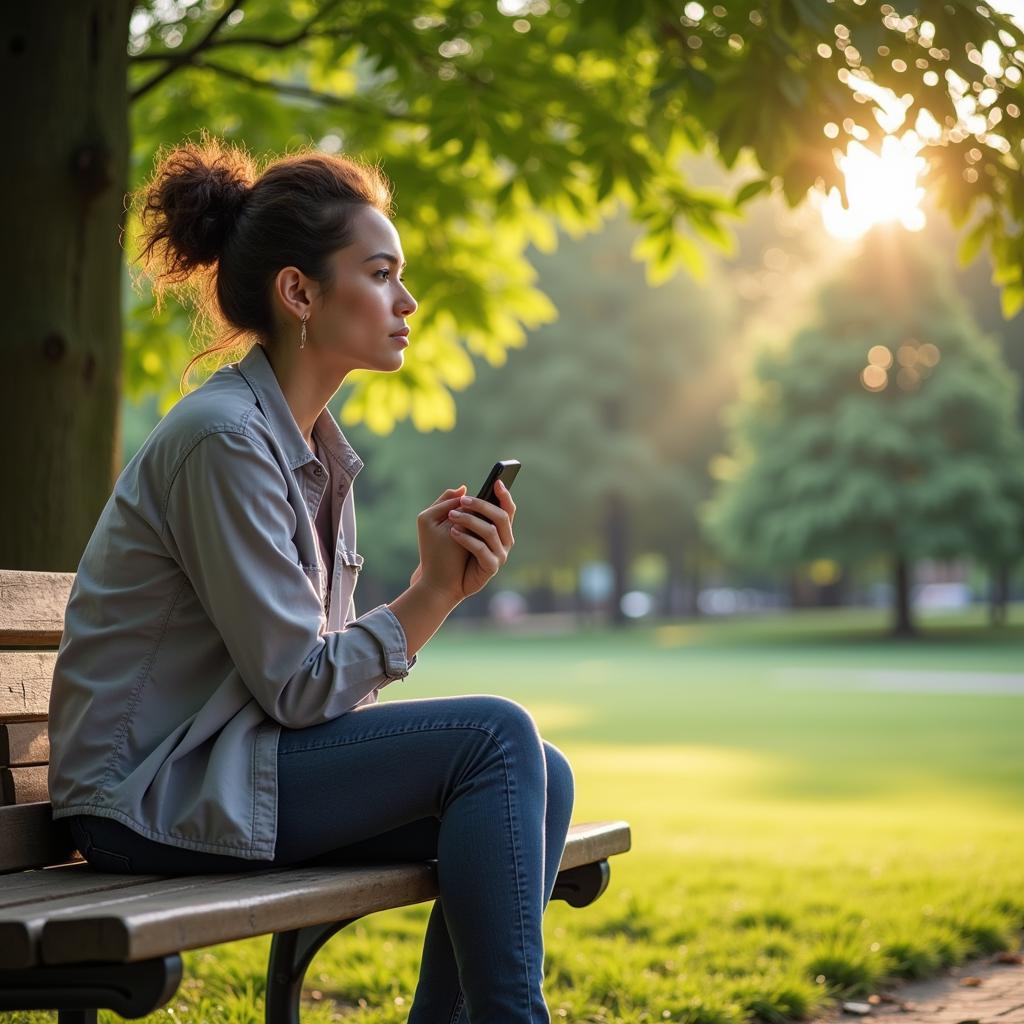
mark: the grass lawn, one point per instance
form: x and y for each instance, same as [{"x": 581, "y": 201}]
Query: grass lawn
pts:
[{"x": 815, "y": 810}]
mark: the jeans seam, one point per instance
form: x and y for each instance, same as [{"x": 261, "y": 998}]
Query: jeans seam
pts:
[
  {"x": 457, "y": 1009},
  {"x": 119, "y": 857},
  {"x": 511, "y": 791},
  {"x": 88, "y": 839},
  {"x": 509, "y": 787},
  {"x": 91, "y": 848},
  {"x": 388, "y": 733}
]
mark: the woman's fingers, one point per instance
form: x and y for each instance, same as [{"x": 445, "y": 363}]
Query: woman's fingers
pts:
[
  {"x": 438, "y": 512},
  {"x": 491, "y": 513},
  {"x": 485, "y": 555},
  {"x": 481, "y": 537},
  {"x": 483, "y": 528},
  {"x": 503, "y": 495},
  {"x": 451, "y": 492}
]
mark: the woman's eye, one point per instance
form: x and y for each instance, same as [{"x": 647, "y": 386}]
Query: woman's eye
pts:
[{"x": 386, "y": 272}]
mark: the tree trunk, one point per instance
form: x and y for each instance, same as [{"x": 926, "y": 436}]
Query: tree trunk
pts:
[
  {"x": 802, "y": 593},
  {"x": 695, "y": 576},
  {"x": 832, "y": 595},
  {"x": 586, "y": 616},
  {"x": 903, "y": 623},
  {"x": 616, "y": 527},
  {"x": 674, "y": 581},
  {"x": 999, "y": 594},
  {"x": 616, "y": 519},
  {"x": 63, "y": 76}
]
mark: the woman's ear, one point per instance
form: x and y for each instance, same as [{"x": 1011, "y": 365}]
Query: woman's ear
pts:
[{"x": 293, "y": 290}]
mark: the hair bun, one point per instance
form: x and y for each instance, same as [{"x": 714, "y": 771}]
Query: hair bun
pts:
[{"x": 193, "y": 201}]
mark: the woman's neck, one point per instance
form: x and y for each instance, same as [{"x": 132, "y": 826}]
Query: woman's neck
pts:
[{"x": 306, "y": 386}]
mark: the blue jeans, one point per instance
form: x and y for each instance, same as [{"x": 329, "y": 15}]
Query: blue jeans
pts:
[{"x": 465, "y": 780}]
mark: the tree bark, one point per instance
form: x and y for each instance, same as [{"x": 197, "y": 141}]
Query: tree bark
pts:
[
  {"x": 903, "y": 622},
  {"x": 63, "y": 75}
]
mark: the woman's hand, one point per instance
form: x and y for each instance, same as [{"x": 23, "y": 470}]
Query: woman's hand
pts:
[
  {"x": 448, "y": 499},
  {"x": 442, "y": 561},
  {"x": 489, "y": 539}
]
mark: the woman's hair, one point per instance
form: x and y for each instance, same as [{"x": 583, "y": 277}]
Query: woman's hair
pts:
[{"x": 220, "y": 228}]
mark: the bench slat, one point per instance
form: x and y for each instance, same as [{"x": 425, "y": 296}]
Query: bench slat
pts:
[
  {"x": 24, "y": 785},
  {"x": 32, "y": 607},
  {"x": 189, "y": 912},
  {"x": 220, "y": 909},
  {"x": 24, "y": 743},
  {"x": 29, "y": 838},
  {"x": 27, "y": 898},
  {"x": 69, "y": 880},
  {"x": 25, "y": 680},
  {"x": 593, "y": 841},
  {"x": 85, "y": 910}
]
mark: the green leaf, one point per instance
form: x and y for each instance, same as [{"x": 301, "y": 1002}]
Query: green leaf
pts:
[
  {"x": 751, "y": 190},
  {"x": 1012, "y": 300},
  {"x": 973, "y": 242}
]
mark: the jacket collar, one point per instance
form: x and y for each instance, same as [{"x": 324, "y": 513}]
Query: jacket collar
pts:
[{"x": 256, "y": 369}]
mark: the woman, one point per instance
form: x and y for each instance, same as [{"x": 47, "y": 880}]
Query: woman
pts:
[{"x": 215, "y": 696}]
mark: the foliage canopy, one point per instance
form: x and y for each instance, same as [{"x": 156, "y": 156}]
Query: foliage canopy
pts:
[{"x": 493, "y": 121}]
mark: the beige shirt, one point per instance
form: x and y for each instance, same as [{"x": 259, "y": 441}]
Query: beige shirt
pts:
[{"x": 200, "y": 621}]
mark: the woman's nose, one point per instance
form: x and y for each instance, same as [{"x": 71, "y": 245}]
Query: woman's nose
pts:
[{"x": 407, "y": 305}]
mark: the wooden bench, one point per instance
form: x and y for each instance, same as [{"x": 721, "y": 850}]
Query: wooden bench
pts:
[{"x": 75, "y": 940}]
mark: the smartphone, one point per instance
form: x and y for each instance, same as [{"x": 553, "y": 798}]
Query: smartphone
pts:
[{"x": 506, "y": 471}]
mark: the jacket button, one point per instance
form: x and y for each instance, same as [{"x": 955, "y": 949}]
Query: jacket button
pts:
[{"x": 318, "y": 471}]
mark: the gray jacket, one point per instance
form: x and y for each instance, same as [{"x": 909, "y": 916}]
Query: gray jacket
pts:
[{"x": 200, "y": 622}]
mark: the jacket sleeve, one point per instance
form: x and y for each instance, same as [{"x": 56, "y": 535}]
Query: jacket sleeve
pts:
[{"x": 230, "y": 527}]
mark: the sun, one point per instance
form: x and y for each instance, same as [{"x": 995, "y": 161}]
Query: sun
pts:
[{"x": 880, "y": 188}]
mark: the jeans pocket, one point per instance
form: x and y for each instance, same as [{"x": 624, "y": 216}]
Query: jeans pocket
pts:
[
  {"x": 80, "y": 836},
  {"x": 101, "y": 860},
  {"x": 106, "y": 860}
]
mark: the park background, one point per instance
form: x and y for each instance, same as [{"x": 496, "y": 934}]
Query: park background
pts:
[{"x": 766, "y": 585}]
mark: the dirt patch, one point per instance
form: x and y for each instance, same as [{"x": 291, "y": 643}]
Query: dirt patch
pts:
[{"x": 983, "y": 991}]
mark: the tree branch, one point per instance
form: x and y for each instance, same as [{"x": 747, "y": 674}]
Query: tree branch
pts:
[
  {"x": 178, "y": 60},
  {"x": 209, "y": 43},
  {"x": 265, "y": 41},
  {"x": 304, "y": 92}
]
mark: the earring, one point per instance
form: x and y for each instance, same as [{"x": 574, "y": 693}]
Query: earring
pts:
[{"x": 302, "y": 337}]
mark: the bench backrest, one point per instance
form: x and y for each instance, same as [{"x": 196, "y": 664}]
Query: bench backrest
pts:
[{"x": 31, "y": 622}]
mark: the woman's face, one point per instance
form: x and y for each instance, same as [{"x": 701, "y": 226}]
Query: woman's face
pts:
[{"x": 352, "y": 325}]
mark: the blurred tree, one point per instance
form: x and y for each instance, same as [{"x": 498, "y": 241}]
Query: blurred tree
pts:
[
  {"x": 887, "y": 426},
  {"x": 974, "y": 283},
  {"x": 491, "y": 120},
  {"x": 613, "y": 411}
]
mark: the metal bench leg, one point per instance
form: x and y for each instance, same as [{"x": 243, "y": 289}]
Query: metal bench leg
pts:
[
  {"x": 579, "y": 887},
  {"x": 291, "y": 953},
  {"x": 75, "y": 991}
]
